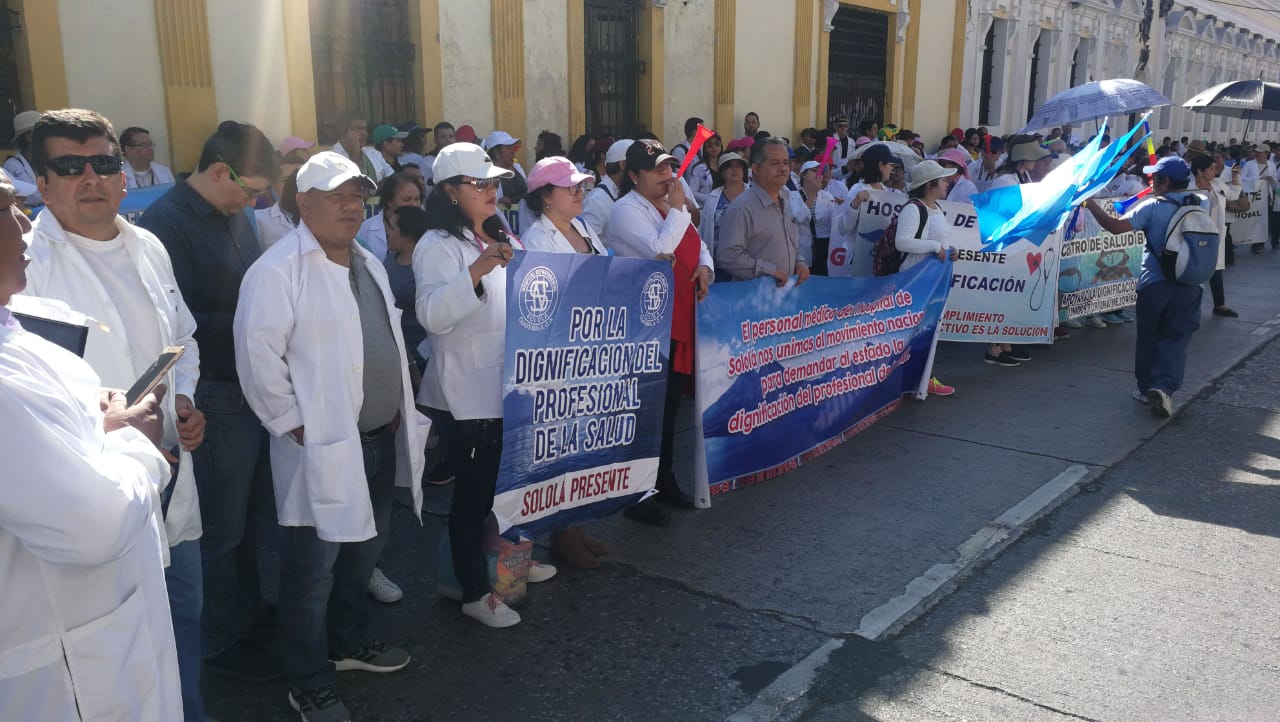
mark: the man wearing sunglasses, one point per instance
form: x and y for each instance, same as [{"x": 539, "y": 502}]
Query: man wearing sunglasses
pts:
[
  {"x": 204, "y": 223},
  {"x": 85, "y": 255}
]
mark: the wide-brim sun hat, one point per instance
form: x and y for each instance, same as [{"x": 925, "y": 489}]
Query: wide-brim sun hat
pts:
[
  {"x": 466, "y": 159},
  {"x": 1030, "y": 150},
  {"x": 926, "y": 171},
  {"x": 730, "y": 158},
  {"x": 556, "y": 171},
  {"x": 23, "y": 122}
]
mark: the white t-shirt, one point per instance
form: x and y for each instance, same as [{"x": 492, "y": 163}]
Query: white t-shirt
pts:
[
  {"x": 936, "y": 236},
  {"x": 114, "y": 267}
]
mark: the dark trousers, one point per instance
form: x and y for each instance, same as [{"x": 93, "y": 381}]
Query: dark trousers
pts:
[
  {"x": 476, "y": 451},
  {"x": 1231, "y": 248},
  {"x": 233, "y": 479},
  {"x": 821, "y": 249},
  {"x": 1273, "y": 227},
  {"x": 1168, "y": 314},
  {"x": 675, "y": 390},
  {"x": 323, "y": 608},
  {"x": 1215, "y": 287}
]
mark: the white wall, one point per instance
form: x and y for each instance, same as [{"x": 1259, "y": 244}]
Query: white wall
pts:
[
  {"x": 249, "y": 79},
  {"x": 546, "y": 71},
  {"x": 764, "y": 67},
  {"x": 933, "y": 80},
  {"x": 689, "y": 68},
  {"x": 112, "y": 60},
  {"x": 466, "y": 48}
]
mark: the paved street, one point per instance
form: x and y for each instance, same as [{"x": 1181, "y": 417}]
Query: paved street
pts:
[{"x": 887, "y": 580}]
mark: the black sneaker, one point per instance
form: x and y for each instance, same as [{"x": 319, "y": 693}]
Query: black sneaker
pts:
[
  {"x": 373, "y": 657},
  {"x": 319, "y": 705},
  {"x": 647, "y": 512},
  {"x": 1019, "y": 354},
  {"x": 246, "y": 663},
  {"x": 1003, "y": 359},
  {"x": 1226, "y": 312}
]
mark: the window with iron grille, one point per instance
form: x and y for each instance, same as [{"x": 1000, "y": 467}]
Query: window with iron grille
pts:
[
  {"x": 988, "y": 73},
  {"x": 857, "y": 64},
  {"x": 362, "y": 57},
  {"x": 613, "y": 67},
  {"x": 11, "y": 102}
]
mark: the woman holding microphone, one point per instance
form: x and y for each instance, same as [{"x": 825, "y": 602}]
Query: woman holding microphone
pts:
[{"x": 461, "y": 301}]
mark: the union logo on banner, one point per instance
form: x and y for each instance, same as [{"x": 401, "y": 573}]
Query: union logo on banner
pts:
[
  {"x": 653, "y": 299},
  {"x": 539, "y": 292}
]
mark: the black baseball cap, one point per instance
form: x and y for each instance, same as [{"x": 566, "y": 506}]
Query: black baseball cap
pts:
[{"x": 647, "y": 154}]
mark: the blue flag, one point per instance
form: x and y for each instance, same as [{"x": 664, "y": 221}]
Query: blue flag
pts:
[{"x": 1032, "y": 211}]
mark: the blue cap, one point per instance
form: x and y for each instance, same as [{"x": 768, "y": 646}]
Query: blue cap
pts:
[{"x": 1171, "y": 167}]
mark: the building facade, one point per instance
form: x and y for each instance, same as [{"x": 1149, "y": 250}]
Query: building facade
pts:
[
  {"x": 1018, "y": 53},
  {"x": 177, "y": 67}
]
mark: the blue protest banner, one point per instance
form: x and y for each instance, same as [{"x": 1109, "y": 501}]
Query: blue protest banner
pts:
[
  {"x": 786, "y": 374},
  {"x": 135, "y": 202},
  {"x": 588, "y": 339}
]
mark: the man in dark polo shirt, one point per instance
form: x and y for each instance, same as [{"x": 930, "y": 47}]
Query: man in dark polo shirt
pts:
[{"x": 205, "y": 224}]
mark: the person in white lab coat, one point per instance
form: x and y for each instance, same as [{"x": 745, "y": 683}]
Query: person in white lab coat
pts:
[
  {"x": 84, "y": 617},
  {"x": 396, "y": 190},
  {"x": 322, "y": 361},
  {"x": 90, "y": 258},
  {"x": 460, "y": 270},
  {"x": 598, "y": 204},
  {"x": 140, "y": 167}
]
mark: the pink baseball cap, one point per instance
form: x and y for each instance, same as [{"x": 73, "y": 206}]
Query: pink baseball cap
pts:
[
  {"x": 292, "y": 143},
  {"x": 557, "y": 171},
  {"x": 959, "y": 157},
  {"x": 861, "y": 141}
]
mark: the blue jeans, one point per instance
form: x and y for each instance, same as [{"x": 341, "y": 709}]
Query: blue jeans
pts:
[
  {"x": 323, "y": 610},
  {"x": 233, "y": 477},
  {"x": 1168, "y": 313},
  {"x": 185, "y": 583}
]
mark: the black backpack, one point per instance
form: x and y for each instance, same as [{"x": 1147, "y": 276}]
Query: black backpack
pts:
[{"x": 887, "y": 260}]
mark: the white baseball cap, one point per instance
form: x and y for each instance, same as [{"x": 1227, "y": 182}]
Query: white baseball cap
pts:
[
  {"x": 466, "y": 159},
  {"x": 809, "y": 165},
  {"x": 327, "y": 171},
  {"x": 497, "y": 138},
  {"x": 618, "y": 151}
]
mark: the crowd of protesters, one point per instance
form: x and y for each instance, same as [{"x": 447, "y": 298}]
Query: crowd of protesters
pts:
[{"x": 330, "y": 301}]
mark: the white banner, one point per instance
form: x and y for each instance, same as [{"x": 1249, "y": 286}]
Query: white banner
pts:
[
  {"x": 851, "y": 255},
  {"x": 1005, "y": 296},
  {"x": 1251, "y": 225}
]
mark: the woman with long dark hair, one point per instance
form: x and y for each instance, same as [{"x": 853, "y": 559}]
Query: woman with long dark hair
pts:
[
  {"x": 396, "y": 190},
  {"x": 460, "y": 269}
]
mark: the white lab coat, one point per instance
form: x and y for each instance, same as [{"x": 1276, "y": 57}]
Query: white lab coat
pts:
[
  {"x": 638, "y": 230},
  {"x": 85, "y": 630},
  {"x": 467, "y": 333},
  {"x": 598, "y": 204},
  {"x": 273, "y": 225},
  {"x": 58, "y": 270},
  {"x": 380, "y": 164},
  {"x": 544, "y": 236},
  {"x": 161, "y": 175},
  {"x": 1219, "y": 193},
  {"x": 299, "y": 353},
  {"x": 374, "y": 234},
  {"x": 840, "y": 157}
]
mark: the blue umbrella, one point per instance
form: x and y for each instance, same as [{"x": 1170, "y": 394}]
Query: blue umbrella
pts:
[{"x": 1099, "y": 99}]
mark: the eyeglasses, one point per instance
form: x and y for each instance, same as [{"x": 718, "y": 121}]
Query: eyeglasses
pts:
[
  {"x": 580, "y": 188},
  {"x": 482, "y": 184},
  {"x": 249, "y": 192},
  {"x": 73, "y": 165},
  {"x": 149, "y": 144}
]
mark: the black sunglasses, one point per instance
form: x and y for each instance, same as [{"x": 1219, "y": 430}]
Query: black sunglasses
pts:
[{"x": 73, "y": 165}]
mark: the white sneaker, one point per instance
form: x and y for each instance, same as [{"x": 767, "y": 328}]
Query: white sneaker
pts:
[
  {"x": 1071, "y": 323},
  {"x": 1160, "y": 403},
  {"x": 490, "y": 611},
  {"x": 383, "y": 589},
  {"x": 1140, "y": 397},
  {"x": 540, "y": 572},
  {"x": 1095, "y": 322}
]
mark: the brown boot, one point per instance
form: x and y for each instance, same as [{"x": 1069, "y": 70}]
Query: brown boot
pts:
[
  {"x": 593, "y": 546},
  {"x": 566, "y": 545}
]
